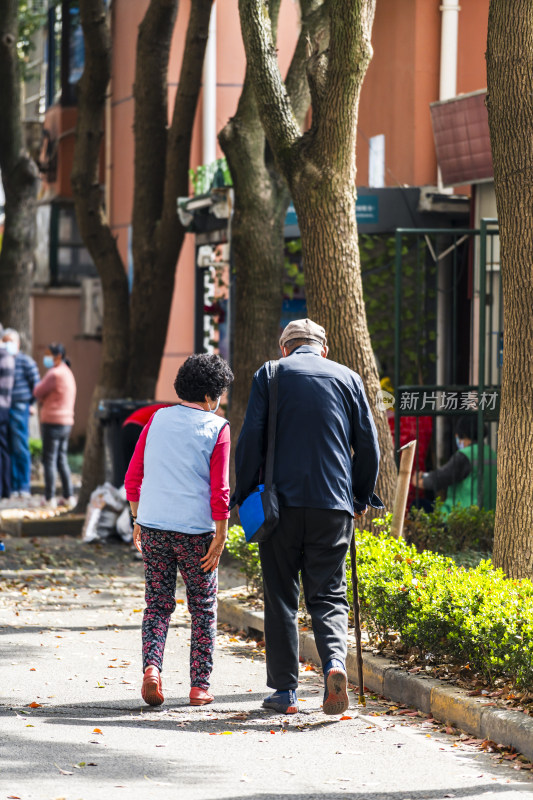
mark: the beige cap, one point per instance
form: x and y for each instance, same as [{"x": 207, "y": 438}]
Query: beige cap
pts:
[{"x": 303, "y": 329}]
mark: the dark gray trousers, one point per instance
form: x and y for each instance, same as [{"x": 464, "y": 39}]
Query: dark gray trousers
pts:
[{"x": 314, "y": 542}]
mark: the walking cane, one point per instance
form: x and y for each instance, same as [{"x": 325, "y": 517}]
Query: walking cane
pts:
[{"x": 357, "y": 622}]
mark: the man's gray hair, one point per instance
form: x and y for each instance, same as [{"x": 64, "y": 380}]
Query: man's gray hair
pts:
[
  {"x": 292, "y": 344},
  {"x": 11, "y": 332}
]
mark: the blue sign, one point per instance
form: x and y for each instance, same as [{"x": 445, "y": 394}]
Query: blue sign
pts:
[
  {"x": 367, "y": 209},
  {"x": 290, "y": 217}
]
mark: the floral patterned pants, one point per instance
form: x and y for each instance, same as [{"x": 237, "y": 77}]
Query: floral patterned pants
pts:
[{"x": 164, "y": 552}]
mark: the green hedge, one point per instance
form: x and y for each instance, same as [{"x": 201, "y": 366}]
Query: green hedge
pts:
[{"x": 476, "y": 616}]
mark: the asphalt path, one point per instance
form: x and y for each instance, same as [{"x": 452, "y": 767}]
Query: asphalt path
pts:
[{"x": 73, "y": 726}]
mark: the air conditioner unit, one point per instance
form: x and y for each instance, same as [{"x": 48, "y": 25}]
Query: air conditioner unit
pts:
[{"x": 92, "y": 307}]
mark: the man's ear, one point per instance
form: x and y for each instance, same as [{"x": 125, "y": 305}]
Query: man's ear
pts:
[
  {"x": 284, "y": 352},
  {"x": 325, "y": 351}
]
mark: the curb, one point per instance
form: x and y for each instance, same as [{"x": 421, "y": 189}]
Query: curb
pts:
[
  {"x": 383, "y": 676},
  {"x": 64, "y": 525}
]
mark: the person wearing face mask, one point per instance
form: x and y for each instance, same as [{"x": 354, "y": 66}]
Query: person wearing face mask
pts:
[
  {"x": 7, "y": 379},
  {"x": 56, "y": 394},
  {"x": 458, "y": 478},
  {"x": 22, "y": 405},
  {"x": 177, "y": 485}
]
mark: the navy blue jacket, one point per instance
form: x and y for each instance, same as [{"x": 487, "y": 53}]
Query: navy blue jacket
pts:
[{"x": 323, "y": 413}]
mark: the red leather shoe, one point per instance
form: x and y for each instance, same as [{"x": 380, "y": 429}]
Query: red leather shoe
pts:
[
  {"x": 152, "y": 690},
  {"x": 200, "y": 697}
]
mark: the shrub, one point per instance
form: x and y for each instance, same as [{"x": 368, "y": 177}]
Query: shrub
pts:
[
  {"x": 477, "y": 616},
  {"x": 469, "y": 528},
  {"x": 248, "y": 557},
  {"x": 36, "y": 449}
]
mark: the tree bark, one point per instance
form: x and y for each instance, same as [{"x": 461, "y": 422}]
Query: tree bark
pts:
[
  {"x": 20, "y": 179},
  {"x": 257, "y": 229},
  {"x": 510, "y": 108},
  {"x": 161, "y": 176},
  {"x": 320, "y": 169},
  {"x": 96, "y": 233}
]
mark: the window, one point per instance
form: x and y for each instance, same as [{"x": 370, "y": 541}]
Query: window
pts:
[
  {"x": 69, "y": 259},
  {"x": 65, "y": 53}
]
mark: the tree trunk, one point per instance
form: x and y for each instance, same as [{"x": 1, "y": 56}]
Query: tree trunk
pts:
[
  {"x": 257, "y": 228},
  {"x": 320, "y": 169},
  {"x": 20, "y": 179},
  {"x": 96, "y": 234},
  {"x": 510, "y": 107},
  {"x": 162, "y": 157}
]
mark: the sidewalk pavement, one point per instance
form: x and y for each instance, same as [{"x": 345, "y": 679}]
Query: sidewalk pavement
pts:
[{"x": 72, "y": 724}]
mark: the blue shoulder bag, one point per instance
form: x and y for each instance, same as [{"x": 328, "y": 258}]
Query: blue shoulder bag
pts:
[{"x": 259, "y": 513}]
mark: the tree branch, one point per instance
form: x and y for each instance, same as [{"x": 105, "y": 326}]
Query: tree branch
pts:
[
  {"x": 151, "y": 120},
  {"x": 171, "y": 233},
  {"x": 88, "y": 199},
  {"x": 314, "y": 29},
  {"x": 11, "y": 136},
  {"x": 273, "y": 102}
]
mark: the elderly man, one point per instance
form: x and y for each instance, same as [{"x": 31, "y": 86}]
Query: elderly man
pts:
[
  {"x": 26, "y": 378},
  {"x": 323, "y": 415},
  {"x": 7, "y": 378}
]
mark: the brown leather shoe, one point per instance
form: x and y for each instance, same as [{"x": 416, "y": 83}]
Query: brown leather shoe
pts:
[
  {"x": 152, "y": 690},
  {"x": 200, "y": 697}
]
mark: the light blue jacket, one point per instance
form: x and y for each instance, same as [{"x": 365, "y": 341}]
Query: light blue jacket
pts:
[{"x": 176, "y": 487}]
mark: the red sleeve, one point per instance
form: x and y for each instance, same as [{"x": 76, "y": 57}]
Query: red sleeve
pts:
[
  {"x": 45, "y": 386},
  {"x": 135, "y": 473},
  {"x": 220, "y": 475}
]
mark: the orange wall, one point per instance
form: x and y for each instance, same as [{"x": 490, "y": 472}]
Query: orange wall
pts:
[
  {"x": 403, "y": 78},
  {"x": 56, "y": 318}
]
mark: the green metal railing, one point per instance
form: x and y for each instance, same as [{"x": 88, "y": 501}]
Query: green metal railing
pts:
[{"x": 455, "y": 317}]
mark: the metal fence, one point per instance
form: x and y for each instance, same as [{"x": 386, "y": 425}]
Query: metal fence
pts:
[{"x": 449, "y": 339}]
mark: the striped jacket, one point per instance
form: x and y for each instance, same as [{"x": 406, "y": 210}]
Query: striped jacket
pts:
[
  {"x": 7, "y": 378},
  {"x": 26, "y": 377}
]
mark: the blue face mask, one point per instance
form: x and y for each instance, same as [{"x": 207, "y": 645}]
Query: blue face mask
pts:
[
  {"x": 11, "y": 348},
  {"x": 48, "y": 361},
  {"x": 459, "y": 442}
]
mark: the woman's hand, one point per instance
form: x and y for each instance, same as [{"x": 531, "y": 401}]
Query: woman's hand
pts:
[
  {"x": 212, "y": 557},
  {"x": 357, "y": 514},
  {"x": 137, "y": 537}
]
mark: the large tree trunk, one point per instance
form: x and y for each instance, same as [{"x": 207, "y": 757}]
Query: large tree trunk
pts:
[
  {"x": 320, "y": 170},
  {"x": 96, "y": 234},
  {"x": 510, "y": 107},
  {"x": 20, "y": 180},
  {"x": 257, "y": 228},
  {"x": 162, "y": 157}
]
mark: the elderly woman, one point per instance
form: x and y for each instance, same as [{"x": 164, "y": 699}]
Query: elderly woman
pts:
[{"x": 177, "y": 484}]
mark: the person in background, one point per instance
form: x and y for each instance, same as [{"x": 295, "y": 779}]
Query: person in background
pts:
[
  {"x": 458, "y": 478},
  {"x": 7, "y": 379},
  {"x": 177, "y": 485},
  {"x": 56, "y": 394},
  {"x": 22, "y": 399}
]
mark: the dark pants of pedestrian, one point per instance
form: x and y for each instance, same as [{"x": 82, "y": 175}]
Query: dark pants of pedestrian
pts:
[
  {"x": 55, "y": 447},
  {"x": 314, "y": 542},
  {"x": 5, "y": 461},
  {"x": 19, "y": 445},
  {"x": 164, "y": 552}
]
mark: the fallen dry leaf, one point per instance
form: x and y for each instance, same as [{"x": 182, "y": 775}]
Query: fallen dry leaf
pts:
[
  {"x": 346, "y": 717},
  {"x": 34, "y": 705},
  {"x": 97, "y": 730}
]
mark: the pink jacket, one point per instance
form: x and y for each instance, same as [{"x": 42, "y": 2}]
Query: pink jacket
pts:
[{"x": 57, "y": 394}]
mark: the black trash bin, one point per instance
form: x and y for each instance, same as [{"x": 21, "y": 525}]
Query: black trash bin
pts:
[{"x": 112, "y": 414}]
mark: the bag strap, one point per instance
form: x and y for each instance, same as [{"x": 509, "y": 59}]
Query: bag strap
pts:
[{"x": 272, "y": 418}]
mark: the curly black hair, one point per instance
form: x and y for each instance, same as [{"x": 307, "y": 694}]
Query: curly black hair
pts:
[{"x": 202, "y": 375}]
